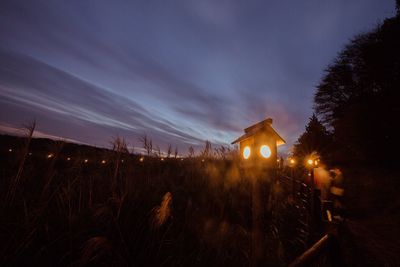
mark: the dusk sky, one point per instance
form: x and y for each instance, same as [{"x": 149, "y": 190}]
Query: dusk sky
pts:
[{"x": 182, "y": 71}]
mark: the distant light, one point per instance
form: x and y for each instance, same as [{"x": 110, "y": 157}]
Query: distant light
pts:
[
  {"x": 162, "y": 159},
  {"x": 49, "y": 156},
  {"x": 68, "y": 159},
  {"x": 10, "y": 150},
  {"x": 86, "y": 160},
  {"x": 310, "y": 162},
  {"x": 292, "y": 161},
  {"x": 202, "y": 160},
  {"x": 316, "y": 162},
  {"x": 141, "y": 159},
  {"x": 103, "y": 162},
  {"x": 182, "y": 159},
  {"x": 246, "y": 152},
  {"x": 278, "y": 160},
  {"x": 30, "y": 154},
  {"x": 122, "y": 161},
  {"x": 265, "y": 151}
]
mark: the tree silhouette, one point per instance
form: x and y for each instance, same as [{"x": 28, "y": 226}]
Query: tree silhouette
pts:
[
  {"x": 358, "y": 96},
  {"x": 315, "y": 139}
]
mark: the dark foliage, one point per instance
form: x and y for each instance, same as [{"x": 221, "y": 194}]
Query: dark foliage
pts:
[
  {"x": 118, "y": 209},
  {"x": 358, "y": 98},
  {"x": 315, "y": 139}
]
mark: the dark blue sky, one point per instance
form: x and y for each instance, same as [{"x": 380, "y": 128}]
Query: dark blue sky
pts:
[{"x": 182, "y": 71}]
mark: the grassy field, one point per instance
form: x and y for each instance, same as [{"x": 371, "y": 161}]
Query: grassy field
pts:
[{"x": 70, "y": 205}]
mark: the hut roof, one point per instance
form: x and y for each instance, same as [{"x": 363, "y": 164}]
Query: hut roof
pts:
[{"x": 265, "y": 125}]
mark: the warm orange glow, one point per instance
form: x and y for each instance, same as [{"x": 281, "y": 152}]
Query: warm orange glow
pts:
[
  {"x": 86, "y": 160},
  {"x": 246, "y": 152},
  {"x": 265, "y": 151},
  {"x": 49, "y": 156},
  {"x": 310, "y": 162},
  {"x": 316, "y": 162},
  {"x": 162, "y": 159},
  {"x": 103, "y": 162},
  {"x": 141, "y": 159},
  {"x": 292, "y": 161}
]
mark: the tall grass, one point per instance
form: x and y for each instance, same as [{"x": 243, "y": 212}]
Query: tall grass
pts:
[
  {"x": 135, "y": 213},
  {"x": 15, "y": 183}
]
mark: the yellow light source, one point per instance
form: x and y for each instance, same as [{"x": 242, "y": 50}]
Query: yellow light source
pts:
[
  {"x": 292, "y": 161},
  {"x": 141, "y": 159},
  {"x": 310, "y": 162},
  {"x": 265, "y": 151},
  {"x": 316, "y": 162},
  {"x": 246, "y": 152}
]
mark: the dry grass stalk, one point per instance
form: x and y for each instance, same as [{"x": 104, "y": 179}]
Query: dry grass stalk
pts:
[
  {"x": 15, "y": 183},
  {"x": 160, "y": 214}
]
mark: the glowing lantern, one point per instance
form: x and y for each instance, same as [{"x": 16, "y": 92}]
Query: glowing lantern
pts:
[
  {"x": 246, "y": 152},
  {"x": 263, "y": 138},
  {"x": 265, "y": 152}
]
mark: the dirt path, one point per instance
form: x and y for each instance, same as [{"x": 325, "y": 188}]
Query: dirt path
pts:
[{"x": 369, "y": 243}]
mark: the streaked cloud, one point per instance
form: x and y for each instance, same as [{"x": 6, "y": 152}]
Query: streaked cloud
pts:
[{"x": 181, "y": 71}]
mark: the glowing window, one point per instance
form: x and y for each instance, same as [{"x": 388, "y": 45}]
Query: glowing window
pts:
[
  {"x": 246, "y": 152},
  {"x": 265, "y": 151}
]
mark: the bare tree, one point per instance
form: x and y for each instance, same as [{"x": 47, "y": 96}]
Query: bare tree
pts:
[
  {"x": 169, "y": 150},
  {"x": 191, "y": 152},
  {"x": 158, "y": 152},
  {"x": 176, "y": 152},
  {"x": 147, "y": 144},
  {"x": 120, "y": 147}
]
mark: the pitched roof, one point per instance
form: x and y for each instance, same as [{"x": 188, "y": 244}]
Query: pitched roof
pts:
[{"x": 261, "y": 126}]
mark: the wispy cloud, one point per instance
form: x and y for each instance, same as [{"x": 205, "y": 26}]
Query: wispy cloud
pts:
[{"x": 182, "y": 71}]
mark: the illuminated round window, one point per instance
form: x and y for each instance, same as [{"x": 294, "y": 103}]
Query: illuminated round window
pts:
[
  {"x": 265, "y": 151},
  {"x": 246, "y": 152}
]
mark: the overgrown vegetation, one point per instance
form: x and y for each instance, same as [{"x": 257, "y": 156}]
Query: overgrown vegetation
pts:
[{"x": 82, "y": 206}]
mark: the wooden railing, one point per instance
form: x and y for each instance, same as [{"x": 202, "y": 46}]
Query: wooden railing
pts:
[
  {"x": 312, "y": 253},
  {"x": 320, "y": 252}
]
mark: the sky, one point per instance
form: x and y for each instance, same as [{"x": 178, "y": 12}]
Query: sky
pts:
[{"x": 180, "y": 71}]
